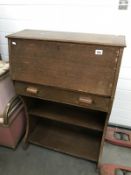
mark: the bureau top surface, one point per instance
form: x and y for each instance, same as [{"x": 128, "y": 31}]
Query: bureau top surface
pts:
[{"x": 100, "y": 39}]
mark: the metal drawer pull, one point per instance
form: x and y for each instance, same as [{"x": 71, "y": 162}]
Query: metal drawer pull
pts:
[
  {"x": 32, "y": 90},
  {"x": 86, "y": 100}
]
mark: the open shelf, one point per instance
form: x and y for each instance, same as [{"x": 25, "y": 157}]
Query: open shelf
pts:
[
  {"x": 65, "y": 139},
  {"x": 70, "y": 115}
]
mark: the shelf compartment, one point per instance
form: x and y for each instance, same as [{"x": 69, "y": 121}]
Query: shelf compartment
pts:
[
  {"x": 70, "y": 115},
  {"x": 64, "y": 139}
]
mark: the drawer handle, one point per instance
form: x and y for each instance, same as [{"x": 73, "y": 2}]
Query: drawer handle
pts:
[
  {"x": 32, "y": 90},
  {"x": 86, "y": 100}
]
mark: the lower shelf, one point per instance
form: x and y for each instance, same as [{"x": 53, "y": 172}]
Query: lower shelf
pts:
[{"x": 59, "y": 138}]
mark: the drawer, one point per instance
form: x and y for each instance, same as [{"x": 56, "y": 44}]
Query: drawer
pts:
[{"x": 63, "y": 96}]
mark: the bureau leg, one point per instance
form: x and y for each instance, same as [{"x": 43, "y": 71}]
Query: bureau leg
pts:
[
  {"x": 25, "y": 146},
  {"x": 97, "y": 169},
  {"x": 25, "y": 140}
]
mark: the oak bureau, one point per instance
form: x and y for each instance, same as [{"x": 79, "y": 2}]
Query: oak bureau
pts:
[{"x": 68, "y": 82}]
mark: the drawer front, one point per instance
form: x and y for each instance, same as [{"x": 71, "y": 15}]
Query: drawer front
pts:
[
  {"x": 80, "y": 67},
  {"x": 63, "y": 96}
]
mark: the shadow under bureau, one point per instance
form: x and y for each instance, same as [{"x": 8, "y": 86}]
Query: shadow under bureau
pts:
[{"x": 68, "y": 82}]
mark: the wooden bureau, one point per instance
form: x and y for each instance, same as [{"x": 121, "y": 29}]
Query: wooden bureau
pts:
[{"x": 68, "y": 82}]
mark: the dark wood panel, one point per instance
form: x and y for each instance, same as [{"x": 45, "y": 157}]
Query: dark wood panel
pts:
[
  {"x": 70, "y": 66},
  {"x": 63, "y": 96},
  {"x": 84, "y": 118},
  {"x": 73, "y": 142},
  {"x": 68, "y": 52}
]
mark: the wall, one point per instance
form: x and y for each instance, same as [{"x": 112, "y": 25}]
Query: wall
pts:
[{"x": 91, "y": 16}]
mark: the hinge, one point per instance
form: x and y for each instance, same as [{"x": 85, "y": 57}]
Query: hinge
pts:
[
  {"x": 110, "y": 85},
  {"x": 116, "y": 59},
  {"x": 117, "y": 53}
]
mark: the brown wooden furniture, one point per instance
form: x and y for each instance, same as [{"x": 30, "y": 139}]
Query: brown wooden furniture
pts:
[{"x": 67, "y": 81}]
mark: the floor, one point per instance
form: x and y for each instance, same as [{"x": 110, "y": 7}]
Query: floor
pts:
[{"x": 39, "y": 161}]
